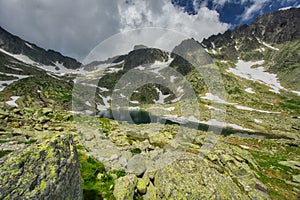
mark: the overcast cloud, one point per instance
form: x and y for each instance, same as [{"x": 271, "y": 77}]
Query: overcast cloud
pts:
[{"x": 75, "y": 27}]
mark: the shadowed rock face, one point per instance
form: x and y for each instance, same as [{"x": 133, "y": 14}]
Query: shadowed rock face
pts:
[
  {"x": 48, "y": 170},
  {"x": 16, "y": 45},
  {"x": 274, "y": 28}
]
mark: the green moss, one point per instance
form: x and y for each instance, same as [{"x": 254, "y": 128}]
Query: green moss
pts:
[
  {"x": 4, "y": 153},
  {"x": 93, "y": 188},
  {"x": 119, "y": 173},
  {"x": 43, "y": 185},
  {"x": 105, "y": 125},
  {"x": 273, "y": 174},
  {"x": 136, "y": 151},
  {"x": 4, "y": 141},
  {"x": 81, "y": 147}
]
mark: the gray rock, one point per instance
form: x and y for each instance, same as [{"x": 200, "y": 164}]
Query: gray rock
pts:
[
  {"x": 142, "y": 184},
  {"x": 151, "y": 193},
  {"x": 291, "y": 163},
  {"x": 38, "y": 127},
  {"x": 124, "y": 187},
  {"x": 48, "y": 170},
  {"x": 137, "y": 165},
  {"x": 296, "y": 178}
]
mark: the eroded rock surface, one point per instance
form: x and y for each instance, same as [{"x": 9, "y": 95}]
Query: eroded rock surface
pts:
[{"x": 48, "y": 170}]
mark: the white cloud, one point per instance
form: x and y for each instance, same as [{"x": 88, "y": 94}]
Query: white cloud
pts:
[
  {"x": 221, "y": 3},
  {"x": 74, "y": 27},
  {"x": 253, "y": 9},
  {"x": 163, "y": 14},
  {"x": 258, "y": 5}
]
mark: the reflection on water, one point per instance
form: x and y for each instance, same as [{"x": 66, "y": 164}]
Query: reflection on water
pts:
[{"x": 143, "y": 117}]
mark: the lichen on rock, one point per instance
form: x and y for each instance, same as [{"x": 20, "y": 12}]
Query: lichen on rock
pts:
[{"x": 48, "y": 170}]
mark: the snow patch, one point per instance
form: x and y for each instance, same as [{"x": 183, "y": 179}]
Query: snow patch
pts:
[
  {"x": 213, "y": 108},
  {"x": 244, "y": 146},
  {"x": 103, "y": 89},
  {"x": 134, "y": 108},
  {"x": 172, "y": 78},
  {"x": 113, "y": 70},
  {"x": 106, "y": 105},
  {"x": 214, "y": 98},
  {"x": 295, "y": 92},
  {"x": 258, "y": 121},
  {"x": 250, "y": 90},
  {"x": 20, "y": 57},
  {"x": 156, "y": 67},
  {"x": 88, "y": 103},
  {"x": 88, "y": 112},
  {"x": 252, "y": 109},
  {"x": 15, "y": 68},
  {"x": 161, "y": 97},
  {"x": 223, "y": 61},
  {"x": 237, "y": 127},
  {"x": 211, "y": 122},
  {"x": 169, "y": 109},
  {"x": 25, "y": 59},
  {"x": 244, "y": 70},
  {"x": 214, "y": 51},
  {"x": 285, "y": 8},
  {"x": 267, "y": 45},
  {"x": 29, "y": 45},
  {"x": 3, "y": 84},
  {"x": 13, "y": 101},
  {"x": 140, "y": 68}
]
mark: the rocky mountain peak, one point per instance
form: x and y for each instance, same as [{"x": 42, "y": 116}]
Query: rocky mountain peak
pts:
[
  {"x": 15, "y": 45},
  {"x": 273, "y": 28}
]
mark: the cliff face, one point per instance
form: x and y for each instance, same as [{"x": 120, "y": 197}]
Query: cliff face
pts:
[
  {"x": 48, "y": 170},
  {"x": 273, "y": 28}
]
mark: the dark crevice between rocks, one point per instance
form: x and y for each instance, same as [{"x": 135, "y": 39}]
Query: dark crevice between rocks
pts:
[
  {"x": 152, "y": 181},
  {"x": 33, "y": 184},
  {"x": 140, "y": 175}
]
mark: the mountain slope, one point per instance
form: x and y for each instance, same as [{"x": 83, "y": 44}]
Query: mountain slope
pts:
[
  {"x": 256, "y": 156},
  {"x": 15, "y": 45},
  {"x": 272, "y": 37},
  {"x": 273, "y": 28}
]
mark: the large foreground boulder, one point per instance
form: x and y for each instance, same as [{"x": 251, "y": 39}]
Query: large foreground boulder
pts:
[{"x": 48, "y": 170}]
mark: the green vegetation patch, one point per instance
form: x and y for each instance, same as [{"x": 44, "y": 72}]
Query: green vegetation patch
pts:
[
  {"x": 96, "y": 182},
  {"x": 275, "y": 175},
  {"x": 4, "y": 153},
  {"x": 136, "y": 151}
]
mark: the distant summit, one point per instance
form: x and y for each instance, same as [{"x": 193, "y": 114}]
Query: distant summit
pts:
[
  {"x": 273, "y": 28},
  {"x": 15, "y": 45}
]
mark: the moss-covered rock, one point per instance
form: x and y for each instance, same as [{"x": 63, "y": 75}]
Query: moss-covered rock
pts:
[
  {"x": 142, "y": 184},
  {"x": 124, "y": 187},
  {"x": 48, "y": 170}
]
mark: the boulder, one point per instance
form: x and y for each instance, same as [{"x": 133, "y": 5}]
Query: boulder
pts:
[
  {"x": 296, "y": 178},
  {"x": 151, "y": 192},
  {"x": 124, "y": 187},
  {"x": 142, "y": 184},
  {"x": 48, "y": 170},
  {"x": 137, "y": 165}
]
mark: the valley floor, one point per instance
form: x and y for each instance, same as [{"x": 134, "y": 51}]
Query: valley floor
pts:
[{"x": 156, "y": 161}]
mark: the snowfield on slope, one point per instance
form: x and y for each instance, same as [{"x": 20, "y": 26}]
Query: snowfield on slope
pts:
[
  {"x": 244, "y": 70},
  {"x": 58, "y": 67},
  {"x": 3, "y": 84},
  {"x": 13, "y": 100}
]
